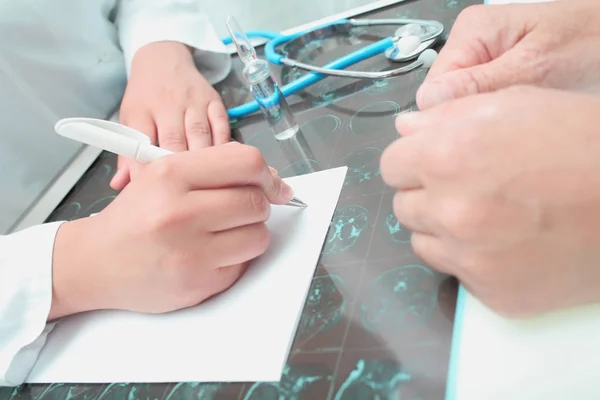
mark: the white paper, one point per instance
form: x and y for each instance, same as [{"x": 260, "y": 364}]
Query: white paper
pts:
[
  {"x": 244, "y": 334},
  {"x": 555, "y": 357}
]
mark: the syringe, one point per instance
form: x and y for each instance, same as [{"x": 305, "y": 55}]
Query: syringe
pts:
[{"x": 262, "y": 85}]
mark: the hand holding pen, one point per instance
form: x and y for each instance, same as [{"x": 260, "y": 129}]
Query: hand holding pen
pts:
[
  {"x": 127, "y": 142},
  {"x": 182, "y": 231}
]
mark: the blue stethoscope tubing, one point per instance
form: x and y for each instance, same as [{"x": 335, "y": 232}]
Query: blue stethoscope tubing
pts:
[{"x": 310, "y": 78}]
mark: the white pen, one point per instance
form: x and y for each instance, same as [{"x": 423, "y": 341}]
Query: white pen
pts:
[{"x": 118, "y": 139}]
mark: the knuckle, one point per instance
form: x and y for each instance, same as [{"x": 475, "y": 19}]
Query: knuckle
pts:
[
  {"x": 418, "y": 246},
  {"x": 252, "y": 158},
  {"x": 444, "y": 158},
  {"x": 238, "y": 271},
  {"x": 234, "y": 146},
  {"x": 171, "y": 137},
  {"x": 229, "y": 276},
  {"x": 477, "y": 80},
  {"x": 167, "y": 218},
  {"x": 464, "y": 220},
  {"x": 198, "y": 128},
  {"x": 535, "y": 61},
  {"x": 471, "y": 13},
  {"x": 398, "y": 207},
  {"x": 262, "y": 238},
  {"x": 164, "y": 168},
  {"x": 473, "y": 265},
  {"x": 221, "y": 116},
  {"x": 387, "y": 163},
  {"x": 219, "y": 113},
  {"x": 259, "y": 203}
]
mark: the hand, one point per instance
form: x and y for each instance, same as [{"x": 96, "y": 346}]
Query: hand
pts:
[
  {"x": 170, "y": 101},
  {"x": 502, "y": 190},
  {"x": 201, "y": 219},
  {"x": 493, "y": 47}
]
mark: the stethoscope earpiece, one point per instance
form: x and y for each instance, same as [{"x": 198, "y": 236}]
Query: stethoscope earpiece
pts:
[{"x": 427, "y": 57}]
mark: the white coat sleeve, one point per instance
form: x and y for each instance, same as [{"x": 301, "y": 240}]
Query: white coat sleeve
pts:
[
  {"x": 141, "y": 22},
  {"x": 25, "y": 299}
]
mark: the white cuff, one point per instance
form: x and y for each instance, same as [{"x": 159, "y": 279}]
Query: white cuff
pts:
[
  {"x": 25, "y": 299},
  {"x": 141, "y": 22}
]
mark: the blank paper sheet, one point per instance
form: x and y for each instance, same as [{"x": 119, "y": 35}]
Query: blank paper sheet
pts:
[
  {"x": 553, "y": 357},
  {"x": 244, "y": 334}
]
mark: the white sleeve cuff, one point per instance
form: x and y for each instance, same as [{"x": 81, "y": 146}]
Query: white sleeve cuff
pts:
[
  {"x": 25, "y": 299},
  {"x": 141, "y": 22}
]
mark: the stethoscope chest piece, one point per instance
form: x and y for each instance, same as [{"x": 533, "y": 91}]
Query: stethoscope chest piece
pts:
[
  {"x": 407, "y": 43},
  {"x": 398, "y": 53}
]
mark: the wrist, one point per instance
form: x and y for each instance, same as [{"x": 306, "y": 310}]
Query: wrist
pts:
[
  {"x": 74, "y": 270},
  {"x": 158, "y": 53}
]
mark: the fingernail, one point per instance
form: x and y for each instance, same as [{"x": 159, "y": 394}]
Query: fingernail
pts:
[
  {"x": 409, "y": 122},
  {"x": 117, "y": 175},
  {"x": 274, "y": 171},
  {"x": 432, "y": 94},
  {"x": 117, "y": 179},
  {"x": 287, "y": 193},
  {"x": 413, "y": 117}
]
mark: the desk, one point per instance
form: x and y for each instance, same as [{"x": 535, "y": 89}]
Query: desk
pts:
[{"x": 378, "y": 322}]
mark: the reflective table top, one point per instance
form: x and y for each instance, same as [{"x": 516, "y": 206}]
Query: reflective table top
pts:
[{"x": 377, "y": 323}]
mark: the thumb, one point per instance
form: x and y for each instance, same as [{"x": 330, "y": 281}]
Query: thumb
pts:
[{"x": 497, "y": 74}]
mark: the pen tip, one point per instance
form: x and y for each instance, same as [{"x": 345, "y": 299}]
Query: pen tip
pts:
[{"x": 298, "y": 202}]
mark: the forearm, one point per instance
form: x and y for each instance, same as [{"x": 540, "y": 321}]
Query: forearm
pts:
[
  {"x": 76, "y": 280},
  {"x": 154, "y": 54},
  {"x": 25, "y": 299}
]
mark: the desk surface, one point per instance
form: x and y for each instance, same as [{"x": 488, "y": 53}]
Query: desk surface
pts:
[{"x": 377, "y": 323}]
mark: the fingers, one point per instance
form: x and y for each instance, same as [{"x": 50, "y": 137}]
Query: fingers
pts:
[
  {"x": 461, "y": 50},
  {"x": 143, "y": 123},
  {"x": 227, "y": 277},
  {"x": 231, "y": 164},
  {"x": 412, "y": 210},
  {"x": 430, "y": 249},
  {"x": 484, "y": 52},
  {"x": 121, "y": 177},
  {"x": 219, "y": 123},
  {"x": 127, "y": 170},
  {"x": 197, "y": 128},
  {"x": 399, "y": 163},
  {"x": 479, "y": 35},
  {"x": 249, "y": 242},
  {"x": 171, "y": 131},
  {"x": 408, "y": 124},
  {"x": 411, "y": 122},
  {"x": 497, "y": 74},
  {"x": 229, "y": 208},
  {"x": 452, "y": 116},
  {"x": 230, "y": 275}
]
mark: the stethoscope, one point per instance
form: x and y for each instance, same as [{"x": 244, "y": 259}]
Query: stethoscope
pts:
[{"x": 411, "y": 41}]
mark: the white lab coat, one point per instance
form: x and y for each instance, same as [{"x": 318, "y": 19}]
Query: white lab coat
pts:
[{"x": 92, "y": 43}]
